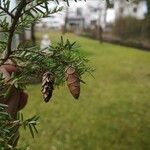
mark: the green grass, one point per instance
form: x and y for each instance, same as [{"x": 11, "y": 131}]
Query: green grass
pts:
[{"x": 113, "y": 111}]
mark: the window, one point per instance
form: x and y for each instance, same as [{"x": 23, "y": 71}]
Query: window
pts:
[
  {"x": 121, "y": 10},
  {"x": 134, "y": 9},
  {"x": 79, "y": 11}
]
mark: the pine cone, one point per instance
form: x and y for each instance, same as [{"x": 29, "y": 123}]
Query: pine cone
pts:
[
  {"x": 73, "y": 81},
  {"x": 47, "y": 86}
]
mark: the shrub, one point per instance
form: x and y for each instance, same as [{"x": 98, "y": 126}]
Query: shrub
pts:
[{"x": 128, "y": 27}]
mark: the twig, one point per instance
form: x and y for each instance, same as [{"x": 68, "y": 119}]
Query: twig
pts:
[
  {"x": 7, "y": 12},
  {"x": 31, "y": 8},
  {"x": 22, "y": 4}
]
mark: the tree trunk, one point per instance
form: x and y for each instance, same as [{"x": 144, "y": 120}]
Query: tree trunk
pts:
[{"x": 64, "y": 30}]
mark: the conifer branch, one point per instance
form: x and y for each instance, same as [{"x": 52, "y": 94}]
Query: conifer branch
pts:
[
  {"x": 12, "y": 30},
  {"x": 7, "y": 12}
]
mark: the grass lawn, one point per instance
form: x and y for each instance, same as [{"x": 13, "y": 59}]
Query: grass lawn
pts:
[{"x": 113, "y": 112}]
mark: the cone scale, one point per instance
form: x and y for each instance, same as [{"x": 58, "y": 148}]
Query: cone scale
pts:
[{"x": 47, "y": 86}]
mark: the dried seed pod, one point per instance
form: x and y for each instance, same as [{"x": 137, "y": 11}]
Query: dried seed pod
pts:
[
  {"x": 47, "y": 86},
  {"x": 23, "y": 100},
  {"x": 73, "y": 81}
]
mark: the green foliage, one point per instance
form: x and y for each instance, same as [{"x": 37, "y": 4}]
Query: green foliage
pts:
[
  {"x": 54, "y": 59},
  {"x": 33, "y": 60},
  {"x": 9, "y": 128},
  {"x": 113, "y": 111},
  {"x": 30, "y": 59},
  {"x": 124, "y": 27},
  {"x": 131, "y": 29},
  {"x": 148, "y": 8}
]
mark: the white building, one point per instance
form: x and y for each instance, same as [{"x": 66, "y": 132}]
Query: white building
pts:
[
  {"x": 95, "y": 11},
  {"x": 81, "y": 13},
  {"x": 55, "y": 21},
  {"x": 90, "y": 11},
  {"x": 135, "y": 9}
]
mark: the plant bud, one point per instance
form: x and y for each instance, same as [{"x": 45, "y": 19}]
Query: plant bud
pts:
[{"x": 23, "y": 100}]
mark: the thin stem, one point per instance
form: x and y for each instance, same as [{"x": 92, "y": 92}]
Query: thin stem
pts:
[
  {"x": 21, "y": 5},
  {"x": 7, "y": 12},
  {"x": 28, "y": 10}
]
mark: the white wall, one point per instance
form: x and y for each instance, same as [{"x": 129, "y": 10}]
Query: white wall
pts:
[
  {"x": 111, "y": 14},
  {"x": 128, "y": 8}
]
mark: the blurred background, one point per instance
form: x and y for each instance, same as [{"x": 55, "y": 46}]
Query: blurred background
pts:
[
  {"x": 116, "y": 21},
  {"x": 113, "y": 110}
]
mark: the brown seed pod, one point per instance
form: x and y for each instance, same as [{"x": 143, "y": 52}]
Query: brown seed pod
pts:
[
  {"x": 23, "y": 100},
  {"x": 73, "y": 81},
  {"x": 47, "y": 86}
]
